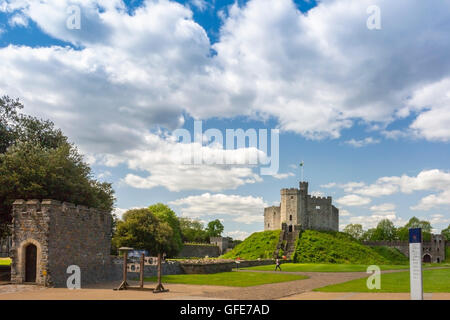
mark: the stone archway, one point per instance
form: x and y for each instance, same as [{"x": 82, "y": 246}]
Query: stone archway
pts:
[
  {"x": 426, "y": 258},
  {"x": 30, "y": 263}
]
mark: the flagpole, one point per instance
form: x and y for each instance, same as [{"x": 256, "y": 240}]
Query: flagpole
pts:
[{"x": 301, "y": 168}]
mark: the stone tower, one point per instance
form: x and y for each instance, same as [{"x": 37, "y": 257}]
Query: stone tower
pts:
[{"x": 299, "y": 210}]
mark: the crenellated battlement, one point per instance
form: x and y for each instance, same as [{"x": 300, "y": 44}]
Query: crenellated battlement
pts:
[
  {"x": 21, "y": 205},
  {"x": 289, "y": 191}
]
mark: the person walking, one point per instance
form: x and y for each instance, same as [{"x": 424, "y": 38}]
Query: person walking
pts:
[{"x": 277, "y": 264}]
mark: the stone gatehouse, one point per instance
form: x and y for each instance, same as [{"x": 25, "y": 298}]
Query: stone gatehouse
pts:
[{"x": 48, "y": 236}]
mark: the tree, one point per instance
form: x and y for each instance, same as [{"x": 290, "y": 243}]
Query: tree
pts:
[
  {"x": 141, "y": 229},
  {"x": 385, "y": 231},
  {"x": 17, "y": 127},
  {"x": 214, "y": 228},
  {"x": 37, "y": 162},
  {"x": 355, "y": 230},
  {"x": 446, "y": 233},
  {"x": 165, "y": 214},
  {"x": 192, "y": 230},
  {"x": 403, "y": 232}
]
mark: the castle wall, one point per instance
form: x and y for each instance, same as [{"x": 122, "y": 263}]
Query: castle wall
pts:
[
  {"x": 65, "y": 235},
  {"x": 272, "y": 218},
  {"x": 322, "y": 215},
  {"x": 289, "y": 206}
]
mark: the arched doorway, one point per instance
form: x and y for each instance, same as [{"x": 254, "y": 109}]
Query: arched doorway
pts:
[
  {"x": 290, "y": 228},
  {"x": 426, "y": 258},
  {"x": 438, "y": 260},
  {"x": 30, "y": 263}
]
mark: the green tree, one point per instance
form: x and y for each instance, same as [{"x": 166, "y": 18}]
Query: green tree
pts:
[
  {"x": 165, "y": 214},
  {"x": 446, "y": 233},
  {"x": 141, "y": 229},
  {"x": 355, "y": 230},
  {"x": 192, "y": 230},
  {"x": 403, "y": 232},
  {"x": 385, "y": 230},
  {"x": 37, "y": 162},
  {"x": 17, "y": 127},
  {"x": 214, "y": 228}
]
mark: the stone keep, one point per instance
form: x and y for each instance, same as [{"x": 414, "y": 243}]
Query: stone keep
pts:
[
  {"x": 49, "y": 236},
  {"x": 298, "y": 208}
]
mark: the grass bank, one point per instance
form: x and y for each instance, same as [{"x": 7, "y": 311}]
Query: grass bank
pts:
[
  {"x": 231, "y": 279},
  {"x": 434, "y": 280}
]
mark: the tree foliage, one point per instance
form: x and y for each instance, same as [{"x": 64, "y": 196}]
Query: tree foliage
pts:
[
  {"x": 141, "y": 229},
  {"x": 446, "y": 233},
  {"x": 165, "y": 214},
  {"x": 192, "y": 231},
  {"x": 214, "y": 228},
  {"x": 37, "y": 162},
  {"x": 355, "y": 230}
]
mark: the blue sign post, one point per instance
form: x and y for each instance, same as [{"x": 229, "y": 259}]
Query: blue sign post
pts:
[{"x": 415, "y": 263}]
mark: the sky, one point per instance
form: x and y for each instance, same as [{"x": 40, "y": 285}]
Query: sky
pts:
[{"x": 359, "y": 90}]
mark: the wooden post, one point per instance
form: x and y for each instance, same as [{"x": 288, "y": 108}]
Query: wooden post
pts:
[
  {"x": 124, "y": 284},
  {"x": 142, "y": 271},
  {"x": 159, "y": 287}
]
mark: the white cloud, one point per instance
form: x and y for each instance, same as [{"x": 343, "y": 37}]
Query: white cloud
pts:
[
  {"x": 237, "y": 235},
  {"x": 383, "y": 207},
  {"x": 201, "y": 5},
  {"x": 18, "y": 20},
  {"x": 434, "y": 122},
  {"x": 242, "y": 209},
  {"x": 147, "y": 69},
  {"x": 433, "y": 200},
  {"x": 353, "y": 200},
  {"x": 362, "y": 143},
  {"x": 344, "y": 213},
  {"x": 371, "y": 221},
  {"x": 329, "y": 185},
  {"x": 281, "y": 176}
]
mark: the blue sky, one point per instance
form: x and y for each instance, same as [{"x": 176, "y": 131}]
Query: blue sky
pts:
[{"x": 368, "y": 111}]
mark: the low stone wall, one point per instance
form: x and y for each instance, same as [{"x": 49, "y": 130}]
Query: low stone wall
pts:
[
  {"x": 168, "y": 268},
  {"x": 199, "y": 251},
  {"x": 206, "y": 267}
]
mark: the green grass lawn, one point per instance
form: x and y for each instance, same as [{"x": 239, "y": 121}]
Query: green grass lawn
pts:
[
  {"x": 436, "y": 280},
  {"x": 232, "y": 279},
  {"x": 325, "y": 267},
  {"x": 5, "y": 261}
]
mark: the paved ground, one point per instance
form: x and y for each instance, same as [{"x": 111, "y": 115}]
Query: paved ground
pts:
[{"x": 293, "y": 290}]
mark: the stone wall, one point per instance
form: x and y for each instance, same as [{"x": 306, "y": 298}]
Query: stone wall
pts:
[
  {"x": 64, "y": 235},
  {"x": 272, "y": 218},
  {"x": 220, "y": 266},
  {"x": 434, "y": 248},
  {"x": 321, "y": 214},
  {"x": 198, "y": 251}
]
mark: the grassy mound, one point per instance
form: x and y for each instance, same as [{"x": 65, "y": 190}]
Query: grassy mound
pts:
[
  {"x": 258, "y": 245},
  {"x": 392, "y": 254},
  {"x": 334, "y": 247}
]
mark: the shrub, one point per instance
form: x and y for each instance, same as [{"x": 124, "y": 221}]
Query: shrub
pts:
[{"x": 257, "y": 245}]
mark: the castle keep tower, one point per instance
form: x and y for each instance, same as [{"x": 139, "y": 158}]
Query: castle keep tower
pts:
[{"x": 299, "y": 210}]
